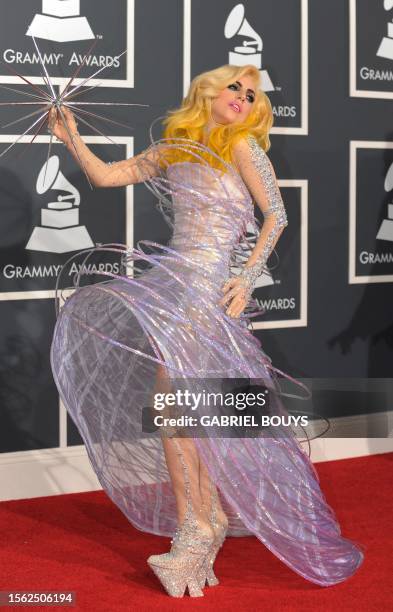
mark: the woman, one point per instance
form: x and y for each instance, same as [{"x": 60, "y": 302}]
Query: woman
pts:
[{"x": 119, "y": 343}]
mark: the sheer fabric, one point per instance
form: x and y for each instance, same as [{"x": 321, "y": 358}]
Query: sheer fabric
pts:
[{"x": 111, "y": 336}]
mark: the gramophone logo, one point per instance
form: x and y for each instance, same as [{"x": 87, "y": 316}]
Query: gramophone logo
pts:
[
  {"x": 371, "y": 49},
  {"x": 60, "y": 21},
  {"x": 370, "y": 212},
  {"x": 250, "y": 52},
  {"x": 60, "y": 231},
  {"x": 386, "y": 47},
  {"x": 385, "y": 232}
]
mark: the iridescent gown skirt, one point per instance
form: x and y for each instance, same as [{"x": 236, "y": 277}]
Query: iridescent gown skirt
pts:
[{"x": 111, "y": 336}]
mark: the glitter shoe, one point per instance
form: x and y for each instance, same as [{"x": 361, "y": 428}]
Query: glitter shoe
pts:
[
  {"x": 206, "y": 572},
  {"x": 178, "y": 569}
]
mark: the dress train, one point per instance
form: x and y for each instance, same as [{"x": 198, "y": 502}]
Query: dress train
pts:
[{"x": 161, "y": 308}]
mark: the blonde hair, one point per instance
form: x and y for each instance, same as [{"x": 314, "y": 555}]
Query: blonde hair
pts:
[{"x": 188, "y": 121}]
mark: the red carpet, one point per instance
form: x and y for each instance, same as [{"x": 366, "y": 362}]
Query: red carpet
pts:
[{"x": 82, "y": 542}]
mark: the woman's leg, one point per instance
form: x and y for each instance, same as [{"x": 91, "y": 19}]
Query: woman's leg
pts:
[
  {"x": 184, "y": 465},
  {"x": 211, "y": 498},
  {"x": 185, "y": 566},
  {"x": 202, "y": 523}
]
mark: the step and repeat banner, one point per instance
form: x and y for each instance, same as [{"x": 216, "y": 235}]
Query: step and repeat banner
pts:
[{"x": 328, "y": 71}]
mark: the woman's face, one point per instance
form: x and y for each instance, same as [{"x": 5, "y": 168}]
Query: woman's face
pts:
[{"x": 235, "y": 102}]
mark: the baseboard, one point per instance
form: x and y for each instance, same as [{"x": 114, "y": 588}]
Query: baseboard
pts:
[{"x": 56, "y": 471}]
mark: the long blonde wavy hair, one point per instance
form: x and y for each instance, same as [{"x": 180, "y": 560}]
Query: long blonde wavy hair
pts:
[{"x": 189, "y": 120}]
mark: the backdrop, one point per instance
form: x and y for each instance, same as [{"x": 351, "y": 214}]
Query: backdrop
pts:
[{"x": 328, "y": 70}]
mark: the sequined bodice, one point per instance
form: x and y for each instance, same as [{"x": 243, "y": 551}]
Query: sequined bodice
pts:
[{"x": 210, "y": 210}]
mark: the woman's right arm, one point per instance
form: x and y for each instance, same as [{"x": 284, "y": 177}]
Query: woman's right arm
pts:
[
  {"x": 101, "y": 174},
  {"x": 113, "y": 174}
]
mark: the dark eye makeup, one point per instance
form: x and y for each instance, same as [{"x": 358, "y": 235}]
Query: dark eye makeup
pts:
[{"x": 250, "y": 97}]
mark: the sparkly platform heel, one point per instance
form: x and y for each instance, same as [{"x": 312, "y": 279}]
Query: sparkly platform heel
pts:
[
  {"x": 178, "y": 569},
  {"x": 206, "y": 572}
]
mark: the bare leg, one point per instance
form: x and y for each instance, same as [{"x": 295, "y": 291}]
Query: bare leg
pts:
[
  {"x": 210, "y": 496},
  {"x": 219, "y": 522},
  {"x": 180, "y": 451},
  {"x": 186, "y": 564},
  {"x": 193, "y": 485}
]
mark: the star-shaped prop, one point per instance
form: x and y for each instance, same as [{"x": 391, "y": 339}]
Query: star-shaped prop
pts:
[{"x": 47, "y": 99}]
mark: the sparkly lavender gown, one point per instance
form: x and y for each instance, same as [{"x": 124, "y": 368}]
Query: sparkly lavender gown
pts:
[{"x": 109, "y": 340}]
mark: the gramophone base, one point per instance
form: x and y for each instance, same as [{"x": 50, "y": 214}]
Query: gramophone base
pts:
[
  {"x": 386, "y": 48},
  {"x": 52, "y": 240},
  {"x": 60, "y": 30},
  {"x": 386, "y": 230},
  {"x": 266, "y": 280}
]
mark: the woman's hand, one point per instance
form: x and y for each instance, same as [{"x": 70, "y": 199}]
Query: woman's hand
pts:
[
  {"x": 234, "y": 288},
  {"x": 56, "y": 124}
]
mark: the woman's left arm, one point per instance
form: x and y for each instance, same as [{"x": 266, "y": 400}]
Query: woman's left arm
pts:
[{"x": 258, "y": 174}]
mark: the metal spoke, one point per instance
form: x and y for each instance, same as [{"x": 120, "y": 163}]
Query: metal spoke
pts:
[
  {"x": 34, "y": 137},
  {"x": 46, "y": 100},
  {"x": 44, "y": 120},
  {"x": 43, "y": 92},
  {"x": 78, "y": 93},
  {"x": 93, "y": 75},
  {"x": 21, "y": 135},
  {"x": 23, "y": 93},
  {"x": 22, "y": 103},
  {"x": 24, "y": 117},
  {"x": 44, "y": 69},
  {"x": 73, "y": 144},
  {"x": 79, "y": 68},
  {"x": 81, "y": 110},
  {"x": 96, "y": 130},
  {"x": 109, "y": 104},
  {"x": 48, "y": 155}
]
